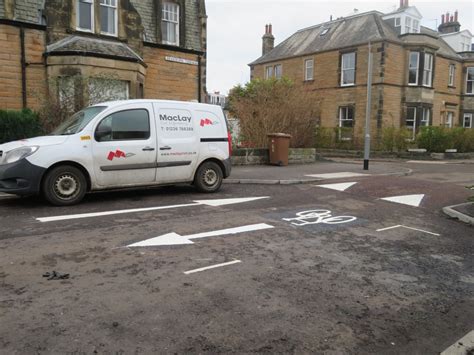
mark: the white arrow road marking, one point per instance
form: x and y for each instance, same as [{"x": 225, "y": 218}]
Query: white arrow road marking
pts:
[
  {"x": 212, "y": 203},
  {"x": 212, "y": 267},
  {"x": 401, "y": 226},
  {"x": 462, "y": 346},
  {"x": 410, "y": 200},
  {"x": 338, "y": 187},
  {"x": 337, "y": 175},
  {"x": 176, "y": 239}
]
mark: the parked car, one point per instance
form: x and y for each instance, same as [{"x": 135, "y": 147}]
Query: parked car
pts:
[{"x": 121, "y": 144}]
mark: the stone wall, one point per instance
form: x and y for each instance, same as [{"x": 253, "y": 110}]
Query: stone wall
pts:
[{"x": 260, "y": 156}]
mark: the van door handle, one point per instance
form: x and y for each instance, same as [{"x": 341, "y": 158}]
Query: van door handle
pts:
[
  {"x": 165, "y": 148},
  {"x": 148, "y": 149}
]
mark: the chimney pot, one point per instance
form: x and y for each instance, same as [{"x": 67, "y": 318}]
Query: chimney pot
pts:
[
  {"x": 452, "y": 18},
  {"x": 270, "y": 29},
  {"x": 442, "y": 18},
  {"x": 456, "y": 16}
]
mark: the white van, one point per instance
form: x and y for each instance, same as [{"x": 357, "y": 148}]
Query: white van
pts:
[{"x": 121, "y": 144}]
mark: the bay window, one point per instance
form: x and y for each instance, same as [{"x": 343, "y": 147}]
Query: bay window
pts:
[
  {"x": 170, "y": 23},
  {"x": 467, "y": 120},
  {"x": 410, "y": 121}
]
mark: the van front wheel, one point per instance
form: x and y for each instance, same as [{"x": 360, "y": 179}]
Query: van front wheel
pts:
[
  {"x": 64, "y": 186},
  {"x": 208, "y": 177}
]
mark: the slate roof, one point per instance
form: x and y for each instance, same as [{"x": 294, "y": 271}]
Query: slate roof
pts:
[
  {"x": 91, "y": 46},
  {"x": 343, "y": 32},
  {"x": 347, "y": 32}
]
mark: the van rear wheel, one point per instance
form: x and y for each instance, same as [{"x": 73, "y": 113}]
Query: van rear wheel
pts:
[
  {"x": 209, "y": 177},
  {"x": 64, "y": 186}
]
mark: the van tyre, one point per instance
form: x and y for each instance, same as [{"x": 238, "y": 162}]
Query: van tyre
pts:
[
  {"x": 209, "y": 177},
  {"x": 64, "y": 186}
]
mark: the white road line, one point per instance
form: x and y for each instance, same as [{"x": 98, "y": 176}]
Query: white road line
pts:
[
  {"x": 410, "y": 200},
  {"x": 462, "y": 346},
  {"x": 338, "y": 187},
  {"x": 212, "y": 267},
  {"x": 426, "y": 162},
  {"x": 402, "y": 226},
  {"x": 110, "y": 213},
  {"x": 386, "y": 229},
  {"x": 212, "y": 203},
  {"x": 337, "y": 175}
]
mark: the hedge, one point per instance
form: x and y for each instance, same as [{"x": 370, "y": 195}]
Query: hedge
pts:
[
  {"x": 438, "y": 139},
  {"x": 15, "y": 125}
]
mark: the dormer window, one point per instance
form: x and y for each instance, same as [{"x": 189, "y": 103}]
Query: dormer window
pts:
[
  {"x": 398, "y": 22},
  {"x": 408, "y": 25},
  {"x": 85, "y": 15},
  {"x": 170, "y": 23}
]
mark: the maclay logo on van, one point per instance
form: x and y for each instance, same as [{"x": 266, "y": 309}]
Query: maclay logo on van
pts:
[
  {"x": 119, "y": 154},
  {"x": 208, "y": 122}
]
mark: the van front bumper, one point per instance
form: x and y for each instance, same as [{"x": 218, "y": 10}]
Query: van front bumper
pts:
[{"x": 21, "y": 178}]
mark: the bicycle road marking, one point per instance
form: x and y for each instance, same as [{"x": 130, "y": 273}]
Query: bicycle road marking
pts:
[{"x": 317, "y": 217}]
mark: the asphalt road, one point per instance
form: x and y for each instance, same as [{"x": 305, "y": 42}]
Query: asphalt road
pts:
[{"x": 387, "y": 278}]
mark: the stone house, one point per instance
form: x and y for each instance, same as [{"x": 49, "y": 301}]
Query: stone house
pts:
[
  {"x": 419, "y": 79},
  {"x": 123, "y": 48}
]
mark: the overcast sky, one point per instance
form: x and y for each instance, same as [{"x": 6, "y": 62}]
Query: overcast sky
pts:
[{"x": 236, "y": 27}]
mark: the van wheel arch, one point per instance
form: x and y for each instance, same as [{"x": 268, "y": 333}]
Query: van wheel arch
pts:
[{"x": 70, "y": 163}]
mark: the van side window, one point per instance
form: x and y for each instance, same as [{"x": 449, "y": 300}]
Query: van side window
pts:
[{"x": 124, "y": 126}]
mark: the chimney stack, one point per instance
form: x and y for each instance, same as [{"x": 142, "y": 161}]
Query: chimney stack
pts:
[
  {"x": 449, "y": 23},
  {"x": 268, "y": 41}
]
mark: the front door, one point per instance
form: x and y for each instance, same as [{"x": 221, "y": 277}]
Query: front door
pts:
[
  {"x": 124, "y": 148},
  {"x": 178, "y": 144}
]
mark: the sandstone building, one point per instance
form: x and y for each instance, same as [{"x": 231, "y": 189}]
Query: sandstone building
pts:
[
  {"x": 420, "y": 76},
  {"x": 138, "y": 48}
]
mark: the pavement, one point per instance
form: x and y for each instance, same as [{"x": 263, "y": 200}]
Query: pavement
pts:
[{"x": 308, "y": 173}]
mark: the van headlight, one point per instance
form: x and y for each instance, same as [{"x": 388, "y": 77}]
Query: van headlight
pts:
[{"x": 19, "y": 153}]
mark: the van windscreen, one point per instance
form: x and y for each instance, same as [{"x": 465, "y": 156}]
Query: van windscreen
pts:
[{"x": 78, "y": 121}]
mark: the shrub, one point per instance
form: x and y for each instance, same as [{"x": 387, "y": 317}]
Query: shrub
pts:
[
  {"x": 394, "y": 139},
  {"x": 15, "y": 125},
  {"x": 274, "y": 106},
  {"x": 438, "y": 139}
]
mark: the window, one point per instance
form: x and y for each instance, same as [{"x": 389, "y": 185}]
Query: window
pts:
[
  {"x": 425, "y": 117},
  {"x": 346, "y": 122},
  {"x": 408, "y": 25},
  {"x": 413, "y": 68},
  {"x": 124, "y": 125},
  {"x": 273, "y": 71},
  {"x": 108, "y": 17},
  {"x": 416, "y": 26},
  {"x": 268, "y": 72},
  {"x": 85, "y": 15},
  {"x": 324, "y": 31},
  {"x": 170, "y": 23},
  {"x": 348, "y": 69},
  {"x": 410, "y": 121},
  {"x": 452, "y": 74},
  {"x": 428, "y": 70},
  {"x": 278, "y": 71},
  {"x": 101, "y": 90},
  {"x": 397, "y": 22},
  {"x": 449, "y": 119},
  {"x": 470, "y": 81},
  {"x": 467, "y": 121},
  {"x": 309, "y": 69}
]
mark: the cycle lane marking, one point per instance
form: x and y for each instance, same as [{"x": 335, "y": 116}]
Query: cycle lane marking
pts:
[
  {"x": 211, "y": 267},
  {"x": 406, "y": 227}
]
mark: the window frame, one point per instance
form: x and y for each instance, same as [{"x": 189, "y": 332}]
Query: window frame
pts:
[
  {"x": 408, "y": 24},
  {"x": 423, "y": 121},
  {"x": 417, "y": 68},
  {"x": 343, "y": 70},
  {"x": 278, "y": 71},
  {"x": 415, "y": 117},
  {"x": 449, "y": 122},
  {"x": 451, "y": 75},
  {"x": 399, "y": 21},
  {"x": 306, "y": 68},
  {"x": 430, "y": 70},
  {"x": 471, "y": 118},
  {"x": 177, "y": 23},
  {"x": 123, "y": 140},
  {"x": 115, "y": 17},
  {"x": 92, "y": 14},
  {"x": 340, "y": 120},
  {"x": 469, "y": 81},
  {"x": 269, "y": 72}
]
